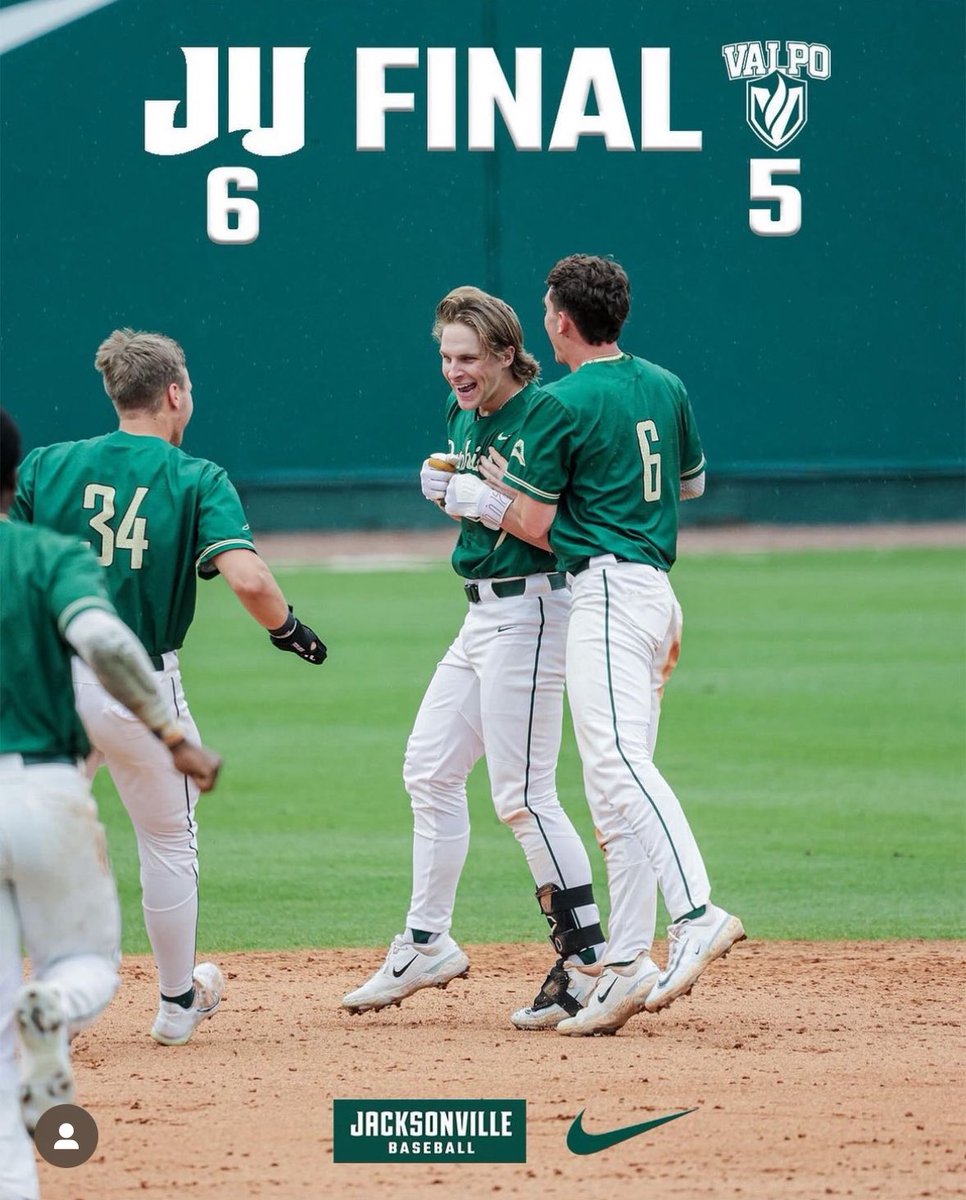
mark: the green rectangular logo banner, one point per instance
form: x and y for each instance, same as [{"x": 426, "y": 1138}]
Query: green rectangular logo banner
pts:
[{"x": 375, "y": 1131}]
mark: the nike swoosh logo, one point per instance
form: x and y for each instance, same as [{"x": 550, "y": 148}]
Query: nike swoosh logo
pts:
[
  {"x": 22, "y": 23},
  {"x": 579, "y": 1141},
  {"x": 503, "y": 628},
  {"x": 603, "y": 997},
  {"x": 396, "y": 974},
  {"x": 502, "y": 437}
]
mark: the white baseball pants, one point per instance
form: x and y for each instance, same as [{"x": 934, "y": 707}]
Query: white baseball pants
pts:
[
  {"x": 621, "y": 638},
  {"x": 161, "y": 804},
  {"x": 497, "y": 692},
  {"x": 57, "y": 897}
]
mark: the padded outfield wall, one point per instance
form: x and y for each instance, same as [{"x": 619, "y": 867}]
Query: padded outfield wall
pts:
[{"x": 825, "y": 365}]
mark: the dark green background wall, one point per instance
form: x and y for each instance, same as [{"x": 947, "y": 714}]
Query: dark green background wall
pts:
[{"x": 826, "y": 369}]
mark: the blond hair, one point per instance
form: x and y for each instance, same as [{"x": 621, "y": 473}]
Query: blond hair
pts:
[
  {"x": 493, "y": 321},
  {"x": 137, "y": 368}
]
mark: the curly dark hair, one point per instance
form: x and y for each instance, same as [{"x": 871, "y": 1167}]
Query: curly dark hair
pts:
[{"x": 594, "y": 292}]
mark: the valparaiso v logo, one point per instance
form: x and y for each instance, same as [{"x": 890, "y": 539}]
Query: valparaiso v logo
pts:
[
  {"x": 579, "y": 1141},
  {"x": 776, "y": 94}
]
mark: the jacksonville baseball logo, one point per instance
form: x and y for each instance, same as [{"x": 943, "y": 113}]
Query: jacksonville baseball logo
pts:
[{"x": 776, "y": 102}]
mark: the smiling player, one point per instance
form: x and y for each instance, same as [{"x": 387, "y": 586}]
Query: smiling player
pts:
[{"x": 498, "y": 691}]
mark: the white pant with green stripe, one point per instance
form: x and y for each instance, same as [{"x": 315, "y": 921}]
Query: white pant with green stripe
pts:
[
  {"x": 497, "y": 692},
  {"x": 624, "y": 624}
]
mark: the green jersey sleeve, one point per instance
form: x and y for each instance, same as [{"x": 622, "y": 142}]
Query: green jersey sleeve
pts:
[
  {"x": 692, "y": 455},
  {"x": 22, "y": 508},
  {"x": 222, "y": 524},
  {"x": 75, "y": 584},
  {"x": 539, "y": 459}
]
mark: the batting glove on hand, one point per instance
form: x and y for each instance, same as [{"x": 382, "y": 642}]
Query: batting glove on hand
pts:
[
  {"x": 434, "y": 478},
  {"x": 298, "y": 638},
  {"x": 468, "y": 496}
]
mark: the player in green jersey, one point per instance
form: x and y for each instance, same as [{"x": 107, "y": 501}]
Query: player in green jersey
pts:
[
  {"x": 498, "y": 690},
  {"x": 57, "y": 896},
  {"x": 600, "y": 463},
  {"x": 155, "y": 517}
]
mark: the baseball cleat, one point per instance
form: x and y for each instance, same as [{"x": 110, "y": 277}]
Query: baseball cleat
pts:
[
  {"x": 46, "y": 1078},
  {"x": 174, "y": 1025},
  {"x": 564, "y": 993},
  {"x": 409, "y": 967},
  {"x": 693, "y": 946},
  {"x": 619, "y": 994}
]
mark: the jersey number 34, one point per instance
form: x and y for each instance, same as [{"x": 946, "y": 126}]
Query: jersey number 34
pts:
[{"x": 132, "y": 532}]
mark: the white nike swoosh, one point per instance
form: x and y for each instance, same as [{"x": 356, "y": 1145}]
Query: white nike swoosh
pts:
[
  {"x": 22, "y": 23},
  {"x": 502, "y": 437}
]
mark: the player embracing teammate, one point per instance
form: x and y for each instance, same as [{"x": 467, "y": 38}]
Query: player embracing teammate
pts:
[{"x": 600, "y": 464}]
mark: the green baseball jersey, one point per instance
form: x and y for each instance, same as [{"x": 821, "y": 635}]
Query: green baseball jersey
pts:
[
  {"x": 608, "y": 444},
  {"x": 45, "y": 581},
  {"x": 152, "y": 514},
  {"x": 483, "y": 553}
]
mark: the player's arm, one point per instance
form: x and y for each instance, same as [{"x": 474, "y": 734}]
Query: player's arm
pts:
[
  {"x": 692, "y": 488},
  {"x": 523, "y": 518},
  {"x": 119, "y": 661},
  {"x": 255, "y": 586}
]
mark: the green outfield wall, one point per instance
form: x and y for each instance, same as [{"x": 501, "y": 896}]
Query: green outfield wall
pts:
[{"x": 825, "y": 365}]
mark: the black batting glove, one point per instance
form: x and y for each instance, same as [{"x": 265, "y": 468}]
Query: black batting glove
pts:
[{"x": 298, "y": 638}]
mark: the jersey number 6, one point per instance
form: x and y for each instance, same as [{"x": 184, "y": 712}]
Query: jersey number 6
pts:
[
  {"x": 646, "y": 435},
  {"x": 131, "y": 533}
]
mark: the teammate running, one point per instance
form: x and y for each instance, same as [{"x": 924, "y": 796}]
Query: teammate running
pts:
[
  {"x": 57, "y": 896},
  {"x": 603, "y": 457},
  {"x": 498, "y": 690},
  {"x": 154, "y": 515}
]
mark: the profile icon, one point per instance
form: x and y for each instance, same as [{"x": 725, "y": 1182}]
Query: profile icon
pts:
[
  {"x": 66, "y": 1135},
  {"x": 66, "y": 1139}
]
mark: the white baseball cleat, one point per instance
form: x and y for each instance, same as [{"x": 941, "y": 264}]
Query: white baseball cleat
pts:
[
  {"x": 409, "y": 967},
  {"x": 174, "y": 1025},
  {"x": 619, "y": 994},
  {"x": 46, "y": 1078},
  {"x": 693, "y": 945},
  {"x": 564, "y": 993}
]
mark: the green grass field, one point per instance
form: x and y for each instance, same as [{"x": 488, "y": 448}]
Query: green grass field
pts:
[{"x": 814, "y": 731}]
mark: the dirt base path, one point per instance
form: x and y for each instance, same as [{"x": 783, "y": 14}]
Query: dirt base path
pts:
[{"x": 817, "y": 1069}]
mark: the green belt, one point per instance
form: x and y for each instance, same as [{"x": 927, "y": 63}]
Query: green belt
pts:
[
  {"x": 514, "y": 587},
  {"x": 46, "y": 760}
]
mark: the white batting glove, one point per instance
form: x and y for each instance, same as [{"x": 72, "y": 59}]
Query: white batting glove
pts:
[
  {"x": 468, "y": 496},
  {"x": 433, "y": 479}
]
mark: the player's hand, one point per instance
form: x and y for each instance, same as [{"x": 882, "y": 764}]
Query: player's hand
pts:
[
  {"x": 468, "y": 496},
  {"x": 298, "y": 638},
  {"x": 435, "y": 474},
  {"x": 493, "y": 469},
  {"x": 197, "y": 763}
]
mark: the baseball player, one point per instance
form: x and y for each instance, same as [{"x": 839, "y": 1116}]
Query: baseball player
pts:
[
  {"x": 57, "y": 896},
  {"x": 604, "y": 457},
  {"x": 154, "y": 516},
  {"x": 498, "y": 690}
]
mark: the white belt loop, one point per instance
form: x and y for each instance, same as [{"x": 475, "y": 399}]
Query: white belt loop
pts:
[{"x": 602, "y": 560}]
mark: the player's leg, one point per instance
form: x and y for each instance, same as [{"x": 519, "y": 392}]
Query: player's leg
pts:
[
  {"x": 519, "y": 646},
  {"x": 631, "y": 878},
  {"x": 161, "y": 804},
  {"x": 443, "y": 747},
  {"x": 620, "y": 621},
  {"x": 18, "y": 1176},
  {"x": 69, "y": 919}
]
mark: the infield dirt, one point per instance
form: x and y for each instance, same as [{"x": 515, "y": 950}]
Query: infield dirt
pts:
[{"x": 817, "y": 1069}]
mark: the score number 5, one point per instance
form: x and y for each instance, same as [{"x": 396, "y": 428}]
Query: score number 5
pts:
[{"x": 788, "y": 219}]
